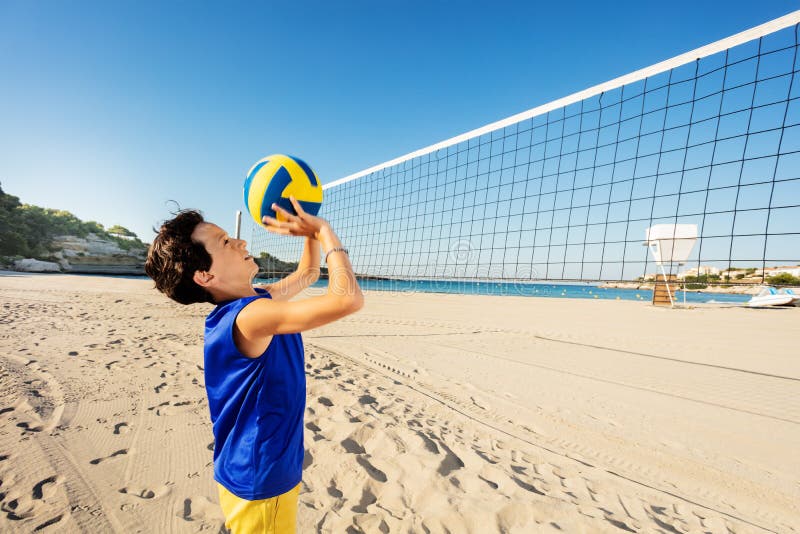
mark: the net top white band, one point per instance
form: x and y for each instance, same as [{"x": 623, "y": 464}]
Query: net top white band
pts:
[{"x": 698, "y": 53}]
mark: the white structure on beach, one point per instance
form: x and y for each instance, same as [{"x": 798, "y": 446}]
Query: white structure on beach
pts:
[{"x": 670, "y": 245}]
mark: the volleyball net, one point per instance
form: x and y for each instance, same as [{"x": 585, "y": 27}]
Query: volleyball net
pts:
[{"x": 566, "y": 191}]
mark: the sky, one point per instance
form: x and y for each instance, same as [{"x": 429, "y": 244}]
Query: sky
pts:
[{"x": 111, "y": 110}]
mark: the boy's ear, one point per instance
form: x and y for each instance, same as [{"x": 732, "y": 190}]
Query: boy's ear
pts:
[{"x": 202, "y": 278}]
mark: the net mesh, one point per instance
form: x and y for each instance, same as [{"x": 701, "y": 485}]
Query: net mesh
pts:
[{"x": 568, "y": 195}]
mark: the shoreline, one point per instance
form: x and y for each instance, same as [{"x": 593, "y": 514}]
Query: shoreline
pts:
[
  {"x": 445, "y": 287},
  {"x": 733, "y": 289}
]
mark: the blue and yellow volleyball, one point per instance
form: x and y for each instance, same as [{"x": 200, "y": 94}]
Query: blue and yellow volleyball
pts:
[{"x": 273, "y": 179}]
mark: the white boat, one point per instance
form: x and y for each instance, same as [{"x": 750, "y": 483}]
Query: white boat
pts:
[
  {"x": 769, "y": 296},
  {"x": 791, "y": 293}
]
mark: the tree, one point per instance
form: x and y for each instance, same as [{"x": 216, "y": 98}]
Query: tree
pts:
[
  {"x": 783, "y": 279},
  {"x": 120, "y": 230},
  {"x": 16, "y": 238},
  {"x": 27, "y": 230}
]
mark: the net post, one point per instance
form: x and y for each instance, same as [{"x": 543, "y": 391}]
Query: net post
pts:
[{"x": 238, "y": 223}]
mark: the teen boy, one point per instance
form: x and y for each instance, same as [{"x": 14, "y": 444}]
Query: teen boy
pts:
[{"x": 253, "y": 353}]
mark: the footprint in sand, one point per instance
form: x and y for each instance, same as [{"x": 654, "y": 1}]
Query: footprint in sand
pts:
[
  {"x": 371, "y": 470},
  {"x": 430, "y": 445},
  {"x": 313, "y": 427},
  {"x": 450, "y": 463},
  {"x": 352, "y": 447},
  {"x": 17, "y": 508},
  {"x": 368, "y": 438},
  {"x": 46, "y": 488},
  {"x": 334, "y": 492},
  {"x": 157, "y": 406},
  {"x": 367, "y": 399},
  {"x": 367, "y": 498},
  {"x": 200, "y": 509},
  {"x": 50, "y": 522},
  {"x": 121, "y": 428},
  {"x": 487, "y": 456},
  {"x": 496, "y": 479},
  {"x": 115, "y": 454},
  {"x": 173, "y": 408},
  {"x": 146, "y": 493},
  {"x": 29, "y": 427}
]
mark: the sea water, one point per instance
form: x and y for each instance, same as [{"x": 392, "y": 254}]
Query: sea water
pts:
[
  {"x": 531, "y": 289},
  {"x": 523, "y": 289}
]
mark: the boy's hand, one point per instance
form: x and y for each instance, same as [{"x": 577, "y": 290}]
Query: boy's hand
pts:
[{"x": 302, "y": 224}]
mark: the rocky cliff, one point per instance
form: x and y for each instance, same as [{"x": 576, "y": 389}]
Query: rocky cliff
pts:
[{"x": 91, "y": 254}]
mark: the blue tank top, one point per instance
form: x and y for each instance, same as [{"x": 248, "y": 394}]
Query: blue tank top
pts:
[{"x": 256, "y": 405}]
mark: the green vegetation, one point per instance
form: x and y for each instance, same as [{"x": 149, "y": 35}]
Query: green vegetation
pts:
[
  {"x": 269, "y": 265},
  {"x": 696, "y": 286},
  {"x": 703, "y": 279},
  {"x": 28, "y": 231},
  {"x": 120, "y": 231},
  {"x": 783, "y": 279},
  {"x": 745, "y": 270}
]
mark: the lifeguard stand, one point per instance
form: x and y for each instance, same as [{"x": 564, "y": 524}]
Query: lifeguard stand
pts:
[{"x": 669, "y": 244}]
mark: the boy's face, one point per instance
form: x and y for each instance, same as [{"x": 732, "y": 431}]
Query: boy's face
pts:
[{"x": 231, "y": 263}]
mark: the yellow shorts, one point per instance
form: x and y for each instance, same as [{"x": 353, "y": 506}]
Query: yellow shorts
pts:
[{"x": 276, "y": 515}]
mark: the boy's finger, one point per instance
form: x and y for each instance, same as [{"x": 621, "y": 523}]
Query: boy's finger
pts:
[
  {"x": 297, "y": 207},
  {"x": 277, "y": 230},
  {"x": 281, "y": 210},
  {"x": 273, "y": 223}
]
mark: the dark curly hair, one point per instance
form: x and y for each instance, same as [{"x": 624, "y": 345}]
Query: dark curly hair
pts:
[{"x": 174, "y": 257}]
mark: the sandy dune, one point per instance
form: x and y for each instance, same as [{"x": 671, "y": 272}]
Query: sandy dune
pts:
[{"x": 426, "y": 413}]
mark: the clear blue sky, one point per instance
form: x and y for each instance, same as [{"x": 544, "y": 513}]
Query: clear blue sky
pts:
[{"x": 109, "y": 109}]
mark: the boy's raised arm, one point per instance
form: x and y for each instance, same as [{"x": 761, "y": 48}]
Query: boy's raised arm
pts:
[
  {"x": 306, "y": 274},
  {"x": 265, "y": 317}
]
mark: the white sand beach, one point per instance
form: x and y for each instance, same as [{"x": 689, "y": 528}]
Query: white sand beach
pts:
[{"x": 426, "y": 413}]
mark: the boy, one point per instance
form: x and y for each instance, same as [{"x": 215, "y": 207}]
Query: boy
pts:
[{"x": 253, "y": 353}]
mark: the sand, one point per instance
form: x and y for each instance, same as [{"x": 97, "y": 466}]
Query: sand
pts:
[{"x": 426, "y": 413}]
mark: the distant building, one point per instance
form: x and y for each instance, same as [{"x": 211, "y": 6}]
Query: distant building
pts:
[
  {"x": 793, "y": 270},
  {"x": 699, "y": 271},
  {"x": 746, "y": 276}
]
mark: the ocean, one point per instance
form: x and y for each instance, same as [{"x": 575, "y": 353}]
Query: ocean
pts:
[
  {"x": 520, "y": 289},
  {"x": 532, "y": 289}
]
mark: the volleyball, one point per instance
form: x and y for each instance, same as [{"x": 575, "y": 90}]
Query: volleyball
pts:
[{"x": 273, "y": 179}]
